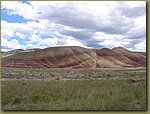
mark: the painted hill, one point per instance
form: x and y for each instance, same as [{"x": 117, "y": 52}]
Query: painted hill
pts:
[
  {"x": 74, "y": 57},
  {"x": 136, "y": 59},
  {"x": 8, "y": 53}
]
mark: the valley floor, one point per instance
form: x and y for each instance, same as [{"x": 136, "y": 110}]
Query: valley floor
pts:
[{"x": 78, "y": 89}]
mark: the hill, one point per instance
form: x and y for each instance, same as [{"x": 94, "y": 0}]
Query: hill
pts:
[{"x": 74, "y": 57}]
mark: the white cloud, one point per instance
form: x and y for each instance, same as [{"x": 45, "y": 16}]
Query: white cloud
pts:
[
  {"x": 4, "y": 42},
  {"x": 141, "y": 46},
  {"x": 91, "y": 24},
  {"x": 6, "y": 31},
  {"x": 70, "y": 41},
  {"x": 22, "y": 36},
  {"x": 135, "y": 3},
  {"x": 22, "y": 9},
  {"x": 111, "y": 40},
  {"x": 12, "y": 44},
  {"x": 49, "y": 42}
]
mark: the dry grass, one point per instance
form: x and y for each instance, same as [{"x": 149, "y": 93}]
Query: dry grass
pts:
[
  {"x": 73, "y": 95},
  {"x": 82, "y": 89}
]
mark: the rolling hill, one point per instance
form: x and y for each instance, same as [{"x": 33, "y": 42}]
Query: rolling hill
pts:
[{"x": 73, "y": 57}]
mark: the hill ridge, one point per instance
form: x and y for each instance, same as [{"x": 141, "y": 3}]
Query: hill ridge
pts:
[{"x": 75, "y": 57}]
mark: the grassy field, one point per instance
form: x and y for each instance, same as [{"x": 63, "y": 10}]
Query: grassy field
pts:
[
  {"x": 108, "y": 94},
  {"x": 67, "y": 74}
]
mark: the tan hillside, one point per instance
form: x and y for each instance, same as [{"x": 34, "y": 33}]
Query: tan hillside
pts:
[
  {"x": 136, "y": 59},
  {"x": 74, "y": 57},
  {"x": 55, "y": 57}
]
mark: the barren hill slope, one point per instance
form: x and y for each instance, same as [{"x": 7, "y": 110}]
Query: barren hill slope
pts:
[
  {"x": 74, "y": 57},
  {"x": 137, "y": 59},
  {"x": 54, "y": 57}
]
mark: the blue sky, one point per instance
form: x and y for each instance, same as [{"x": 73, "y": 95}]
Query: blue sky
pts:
[
  {"x": 33, "y": 24},
  {"x": 12, "y": 18}
]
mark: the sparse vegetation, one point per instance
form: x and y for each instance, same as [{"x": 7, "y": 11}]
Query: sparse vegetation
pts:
[
  {"x": 56, "y": 74},
  {"x": 73, "y": 90}
]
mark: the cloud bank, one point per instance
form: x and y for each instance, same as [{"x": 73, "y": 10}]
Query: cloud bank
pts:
[{"x": 87, "y": 24}]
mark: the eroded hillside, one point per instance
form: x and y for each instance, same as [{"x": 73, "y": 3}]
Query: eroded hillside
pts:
[{"x": 74, "y": 57}]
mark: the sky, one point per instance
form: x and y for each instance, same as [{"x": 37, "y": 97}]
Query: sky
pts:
[{"x": 42, "y": 24}]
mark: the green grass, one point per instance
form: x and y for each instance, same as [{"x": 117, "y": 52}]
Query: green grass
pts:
[{"x": 73, "y": 95}]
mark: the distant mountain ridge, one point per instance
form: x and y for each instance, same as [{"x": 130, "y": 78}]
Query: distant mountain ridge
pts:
[{"x": 73, "y": 57}]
